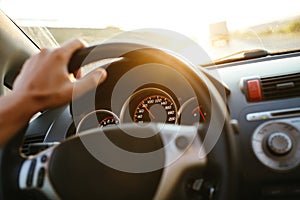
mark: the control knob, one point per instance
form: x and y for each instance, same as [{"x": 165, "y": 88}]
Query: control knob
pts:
[{"x": 279, "y": 143}]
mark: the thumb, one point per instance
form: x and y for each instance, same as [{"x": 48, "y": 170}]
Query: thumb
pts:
[{"x": 89, "y": 82}]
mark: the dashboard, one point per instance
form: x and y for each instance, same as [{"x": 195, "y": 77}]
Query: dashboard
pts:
[{"x": 268, "y": 127}]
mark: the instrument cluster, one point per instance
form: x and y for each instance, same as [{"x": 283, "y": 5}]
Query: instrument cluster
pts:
[{"x": 148, "y": 105}]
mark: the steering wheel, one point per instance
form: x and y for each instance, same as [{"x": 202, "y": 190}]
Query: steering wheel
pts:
[{"x": 166, "y": 162}]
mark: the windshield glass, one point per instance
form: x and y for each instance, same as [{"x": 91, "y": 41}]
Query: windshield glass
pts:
[{"x": 219, "y": 27}]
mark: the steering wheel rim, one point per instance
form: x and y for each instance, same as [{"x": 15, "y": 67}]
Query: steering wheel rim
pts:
[{"x": 225, "y": 147}]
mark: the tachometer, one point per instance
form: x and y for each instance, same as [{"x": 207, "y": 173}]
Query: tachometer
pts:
[
  {"x": 109, "y": 120},
  {"x": 97, "y": 118}
]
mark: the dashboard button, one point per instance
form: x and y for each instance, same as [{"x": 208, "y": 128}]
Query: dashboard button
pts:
[
  {"x": 181, "y": 142},
  {"x": 254, "y": 90}
]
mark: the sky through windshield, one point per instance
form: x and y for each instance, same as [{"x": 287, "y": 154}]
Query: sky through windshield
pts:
[
  {"x": 189, "y": 17},
  {"x": 133, "y": 14}
]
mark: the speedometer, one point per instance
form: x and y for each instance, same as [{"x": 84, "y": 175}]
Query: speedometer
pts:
[
  {"x": 150, "y": 105},
  {"x": 156, "y": 108}
]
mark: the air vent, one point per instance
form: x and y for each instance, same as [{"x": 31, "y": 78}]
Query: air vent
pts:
[
  {"x": 279, "y": 87},
  {"x": 29, "y": 140},
  {"x": 271, "y": 87}
]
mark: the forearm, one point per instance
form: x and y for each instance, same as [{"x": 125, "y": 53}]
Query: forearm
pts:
[{"x": 15, "y": 112}]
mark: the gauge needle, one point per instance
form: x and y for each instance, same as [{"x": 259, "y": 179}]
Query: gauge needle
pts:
[
  {"x": 150, "y": 113},
  {"x": 200, "y": 111}
]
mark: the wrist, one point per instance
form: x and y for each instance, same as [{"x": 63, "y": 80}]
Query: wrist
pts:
[
  {"x": 24, "y": 104},
  {"x": 16, "y": 111}
]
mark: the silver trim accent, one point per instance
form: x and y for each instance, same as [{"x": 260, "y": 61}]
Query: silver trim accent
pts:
[
  {"x": 47, "y": 187},
  {"x": 211, "y": 192},
  {"x": 94, "y": 112},
  {"x": 187, "y": 158},
  {"x": 274, "y": 114}
]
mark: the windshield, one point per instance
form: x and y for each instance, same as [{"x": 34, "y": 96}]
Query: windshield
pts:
[{"x": 219, "y": 27}]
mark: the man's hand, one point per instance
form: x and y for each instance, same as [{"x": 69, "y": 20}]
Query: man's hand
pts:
[
  {"x": 45, "y": 80},
  {"x": 43, "y": 83}
]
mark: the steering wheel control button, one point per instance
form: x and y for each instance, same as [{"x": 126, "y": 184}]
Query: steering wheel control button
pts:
[
  {"x": 279, "y": 143},
  {"x": 276, "y": 144},
  {"x": 181, "y": 142},
  {"x": 33, "y": 176},
  {"x": 253, "y": 90},
  {"x": 31, "y": 173},
  {"x": 40, "y": 178},
  {"x": 44, "y": 158}
]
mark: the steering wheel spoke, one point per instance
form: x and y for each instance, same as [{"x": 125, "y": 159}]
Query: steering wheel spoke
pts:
[
  {"x": 180, "y": 149},
  {"x": 34, "y": 174},
  {"x": 183, "y": 146}
]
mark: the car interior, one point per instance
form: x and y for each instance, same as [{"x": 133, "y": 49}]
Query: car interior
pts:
[{"x": 161, "y": 126}]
